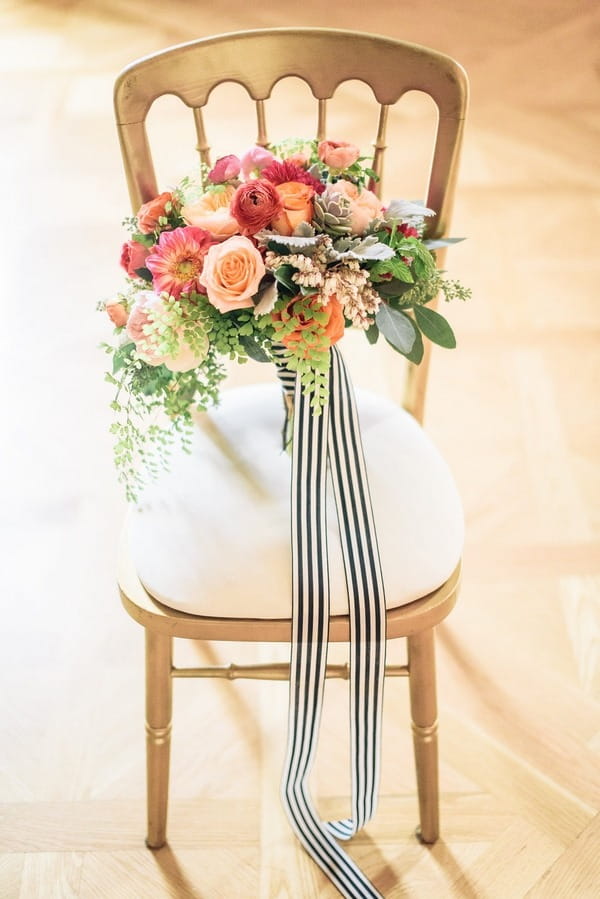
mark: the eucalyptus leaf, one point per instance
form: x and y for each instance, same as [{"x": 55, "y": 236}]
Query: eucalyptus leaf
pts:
[
  {"x": 436, "y": 243},
  {"x": 396, "y": 327},
  {"x": 435, "y": 327}
]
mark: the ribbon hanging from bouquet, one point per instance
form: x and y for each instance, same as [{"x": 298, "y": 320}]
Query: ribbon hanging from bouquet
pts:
[{"x": 332, "y": 440}]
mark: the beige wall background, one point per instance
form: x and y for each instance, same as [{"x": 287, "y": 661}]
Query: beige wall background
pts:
[{"x": 514, "y": 409}]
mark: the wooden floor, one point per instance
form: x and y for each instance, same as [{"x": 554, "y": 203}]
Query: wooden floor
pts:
[{"x": 515, "y": 410}]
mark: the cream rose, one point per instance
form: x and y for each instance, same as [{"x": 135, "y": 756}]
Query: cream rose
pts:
[
  {"x": 364, "y": 205},
  {"x": 232, "y": 272}
]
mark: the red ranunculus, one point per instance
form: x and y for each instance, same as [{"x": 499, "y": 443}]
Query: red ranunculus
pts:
[{"x": 255, "y": 204}]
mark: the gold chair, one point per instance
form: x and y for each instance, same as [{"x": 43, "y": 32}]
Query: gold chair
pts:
[{"x": 173, "y": 583}]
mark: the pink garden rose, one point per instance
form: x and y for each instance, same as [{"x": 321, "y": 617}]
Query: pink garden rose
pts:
[
  {"x": 232, "y": 272},
  {"x": 364, "y": 205},
  {"x": 225, "y": 169},
  {"x": 254, "y": 160},
  {"x": 177, "y": 259},
  {"x": 338, "y": 154},
  {"x": 133, "y": 256},
  {"x": 211, "y": 212},
  {"x": 147, "y": 308}
]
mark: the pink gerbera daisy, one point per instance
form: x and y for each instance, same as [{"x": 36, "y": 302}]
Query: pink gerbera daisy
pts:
[{"x": 177, "y": 260}]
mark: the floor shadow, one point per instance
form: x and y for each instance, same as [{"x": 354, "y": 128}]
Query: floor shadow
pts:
[
  {"x": 177, "y": 882},
  {"x": 456, "y": 877}
]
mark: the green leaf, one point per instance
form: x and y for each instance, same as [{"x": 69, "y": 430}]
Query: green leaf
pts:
[
  {"x": 144, "y": 273},
  {"x": 416, "y": 354},
  {"x": 435, "y": 326},
  {"x": 372, "y": 334},
  {"x": 254, "y": 350},
  {"x": 393, "y": 288},
  {"x": 396, "y": 327},
  {"x": 284, "y": 276}
]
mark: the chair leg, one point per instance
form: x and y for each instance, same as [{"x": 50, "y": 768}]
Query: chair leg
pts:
[
  {"x": 158, "y": 733},
  {"x": 423, "y": 703}
]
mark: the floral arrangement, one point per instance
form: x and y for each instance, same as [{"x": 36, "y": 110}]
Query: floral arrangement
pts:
[{"x": 282, "y": 248}]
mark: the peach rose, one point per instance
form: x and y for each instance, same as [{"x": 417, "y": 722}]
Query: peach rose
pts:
[
  {"x": 117, "y": 312},
  {"x": 297, "y": 202},
  {"x": 232, "y": 272},
  {"x": 334, "y": 328},
  {"x": 149, "y": 214},
  {"x": 146, "y": 309},
  {"x": 211, "y": 212},
  {"x": 364, "y": 205},
  {"x": 338, "y": 154}
]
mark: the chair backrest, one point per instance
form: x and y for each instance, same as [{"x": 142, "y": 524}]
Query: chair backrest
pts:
[{"x": 324, "y": 58}]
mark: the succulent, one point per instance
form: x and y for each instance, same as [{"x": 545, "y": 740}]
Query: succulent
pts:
[{"x": 332, "y": 214}]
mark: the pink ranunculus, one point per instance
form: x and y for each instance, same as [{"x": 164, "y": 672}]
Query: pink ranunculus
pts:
[
  {"x": 254, "y": 160},
  {"x": 148, "y": 307},
  {"x": 364, "y": 205},
  {"x": 232, "y": 273},
  {"x": 338, "y": 154},
  {"x": 177, "y": 259},
  {"x": 225, "y": 169},
  {"x": 133, "y": 256}
]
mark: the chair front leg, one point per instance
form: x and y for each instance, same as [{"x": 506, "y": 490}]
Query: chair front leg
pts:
[
  {"x": 159, "y": 649},
  {"x": 423, "y": 703}
]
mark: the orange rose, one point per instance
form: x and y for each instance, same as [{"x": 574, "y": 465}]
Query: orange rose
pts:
[
  {"x": 334, "y": 327},
  {"x": 297, "y": 202},
  {"x": 149, "y": 214},
  {"x": 211, "y": 212},
  {"x": 232, "y": 272}
]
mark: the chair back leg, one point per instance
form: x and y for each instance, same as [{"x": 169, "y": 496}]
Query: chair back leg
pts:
[
  {"x": 159, "y": 691},
  {"x": 423, "y": 704}
]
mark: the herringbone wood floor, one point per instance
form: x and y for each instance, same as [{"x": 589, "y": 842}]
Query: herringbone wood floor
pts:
[{"x": 514, "y": 410}]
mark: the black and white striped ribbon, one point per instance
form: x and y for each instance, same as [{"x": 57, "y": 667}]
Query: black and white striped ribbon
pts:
[{"x": 333, "y": 439}]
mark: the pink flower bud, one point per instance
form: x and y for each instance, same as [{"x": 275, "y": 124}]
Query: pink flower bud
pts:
[
  {"x": 255, "y": 160},
  {"x": 225, "y": 169}
]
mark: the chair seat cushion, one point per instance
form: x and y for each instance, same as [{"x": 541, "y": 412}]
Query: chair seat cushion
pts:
[{"x": 212, "y": 536}]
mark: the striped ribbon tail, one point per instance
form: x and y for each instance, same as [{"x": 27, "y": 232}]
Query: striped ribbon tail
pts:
[{"x": 334, "y": 437}]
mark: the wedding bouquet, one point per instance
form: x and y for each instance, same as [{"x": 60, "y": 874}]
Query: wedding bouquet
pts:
[{"x": 271, "y": 255}]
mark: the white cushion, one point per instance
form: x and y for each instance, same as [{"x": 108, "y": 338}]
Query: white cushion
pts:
[{"x": 212, "y": 537}]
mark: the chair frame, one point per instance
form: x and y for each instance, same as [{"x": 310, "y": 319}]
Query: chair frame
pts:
[{"x": 258, "y": 60}]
